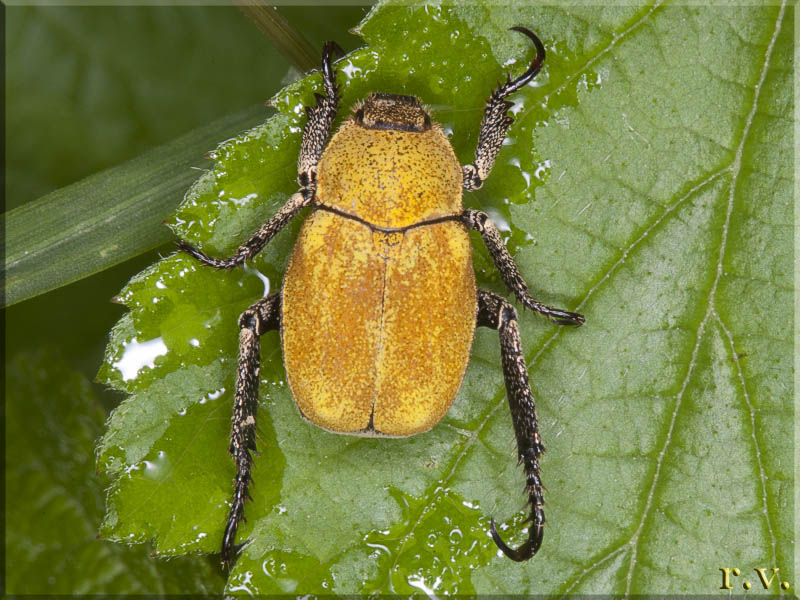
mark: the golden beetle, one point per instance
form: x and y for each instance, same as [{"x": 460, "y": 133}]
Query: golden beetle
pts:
[{"x": 379, "y": 307}]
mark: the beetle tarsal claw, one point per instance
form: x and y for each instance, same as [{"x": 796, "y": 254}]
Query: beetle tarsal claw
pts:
[
  {"x": 563, "y": 317},
  {"x": 526, "y": 550},
  {"x": 228, "y": 558}
]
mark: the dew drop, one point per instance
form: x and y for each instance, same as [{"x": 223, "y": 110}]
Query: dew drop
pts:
[
  {"x": 158, "y": 468},
  {"x": 138, "y": 355}
]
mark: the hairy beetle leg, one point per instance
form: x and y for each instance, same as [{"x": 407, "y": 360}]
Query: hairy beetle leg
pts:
[
  {"x": 496, "y": 313},
  {"x": 496, "y": 120},
  {"x": 259, "y": 239},
  {"x": 479, "y": 221},
  {"x": 320, "y": 119},
  {"x": 263, "y": 316}
]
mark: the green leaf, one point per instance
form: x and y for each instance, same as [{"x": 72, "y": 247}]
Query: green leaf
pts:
[
  {"x": 646, "y": 182},
  {"x": 54, "y": 497}
]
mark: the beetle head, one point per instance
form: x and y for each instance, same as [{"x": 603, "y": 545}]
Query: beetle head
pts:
[{"x": 392, "y": 111}]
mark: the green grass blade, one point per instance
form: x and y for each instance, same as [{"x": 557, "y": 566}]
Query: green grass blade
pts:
[
  {"x": 285, "y": 37},
  {"x": 107, "y": 218}
]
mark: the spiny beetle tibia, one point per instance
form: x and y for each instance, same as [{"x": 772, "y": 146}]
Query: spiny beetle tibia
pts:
[{"x": 379, "y": 306}]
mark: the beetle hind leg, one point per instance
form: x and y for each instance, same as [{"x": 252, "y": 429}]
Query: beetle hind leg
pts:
[
  {"x": 261, "y": 317},
  {"x": 496, "y": 313}
]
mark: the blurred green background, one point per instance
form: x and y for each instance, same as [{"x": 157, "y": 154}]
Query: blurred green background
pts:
[{"x": 88, "y": 88}]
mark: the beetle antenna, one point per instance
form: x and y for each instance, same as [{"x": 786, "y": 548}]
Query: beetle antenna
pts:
[{"x": 533, "y": 70}]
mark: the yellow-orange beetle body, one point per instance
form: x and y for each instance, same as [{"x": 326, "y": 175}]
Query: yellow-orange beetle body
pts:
[{"x": 379, "y": 306}]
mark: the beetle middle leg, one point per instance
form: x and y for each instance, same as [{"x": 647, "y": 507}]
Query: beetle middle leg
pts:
[
  {"x": 261, "y": 317},
  {"x": 258, "y": 240},
  {"x": 315, "y": 135},
  {"x": 496, "y": 313},
  {"x": 496, "y": 119},
  {"x": 480, "y": 222}
]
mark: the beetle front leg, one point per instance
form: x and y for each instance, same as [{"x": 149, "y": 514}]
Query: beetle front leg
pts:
[
  {"x": 261, "y": 317},
  {"x": 480, "y": 222},
  {"x": 320, "y": 119},
  {"x": 496, "y": 120},
  {"x": 496, "y": 313}
]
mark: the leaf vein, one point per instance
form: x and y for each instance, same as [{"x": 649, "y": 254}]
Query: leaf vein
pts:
[{"x": 735, "y": 168}]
